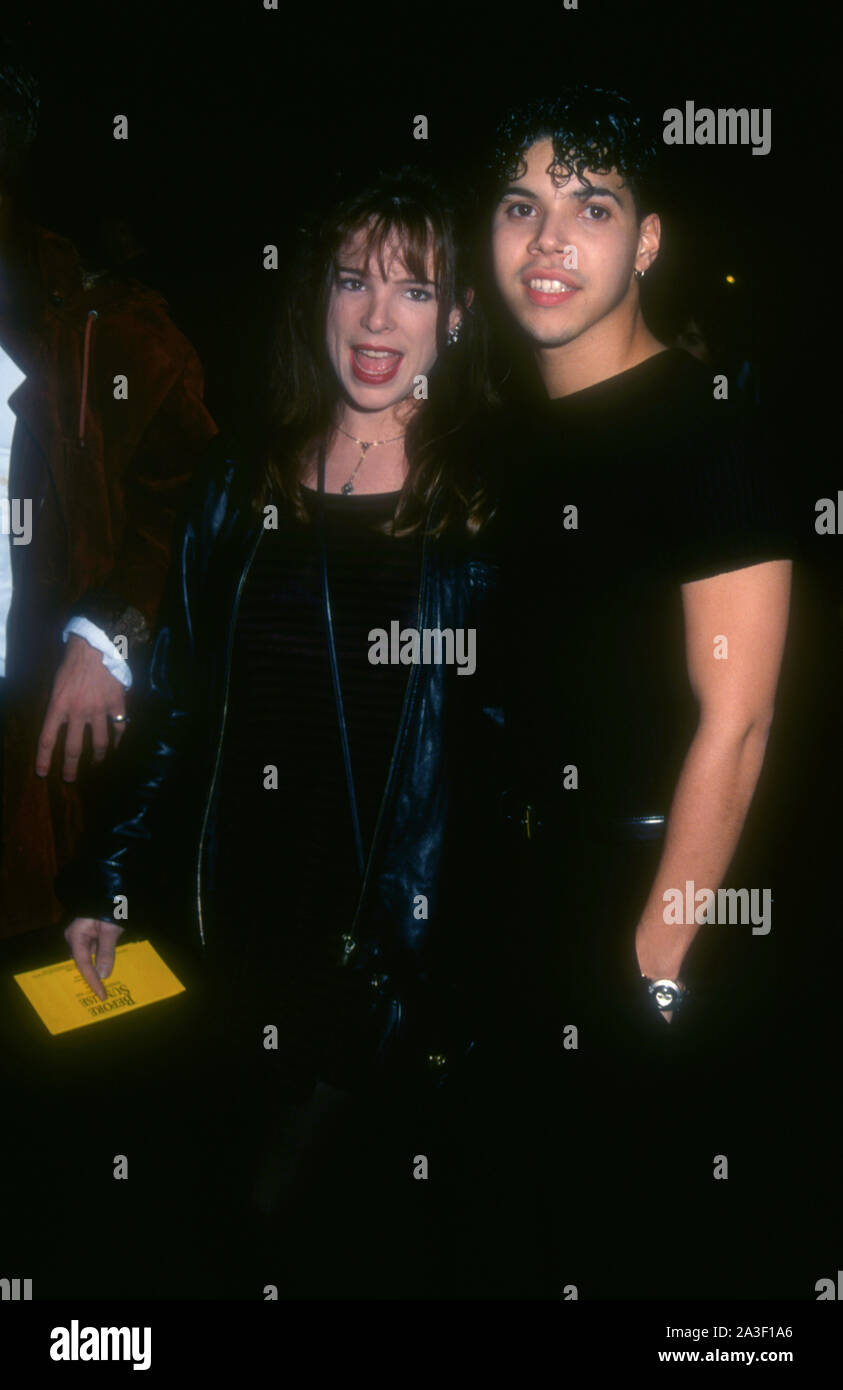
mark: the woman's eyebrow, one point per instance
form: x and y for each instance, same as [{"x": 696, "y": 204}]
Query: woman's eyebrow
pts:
[{"x": 410, "y": 279}]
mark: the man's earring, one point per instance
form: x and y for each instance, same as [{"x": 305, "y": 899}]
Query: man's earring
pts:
[{"x": 454, "y": 334}]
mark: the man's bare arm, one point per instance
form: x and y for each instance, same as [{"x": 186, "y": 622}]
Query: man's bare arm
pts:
[{"x": 736, "y": 695}]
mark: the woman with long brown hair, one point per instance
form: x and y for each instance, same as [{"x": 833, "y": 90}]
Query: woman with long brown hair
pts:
[{"x": 319, "y": 705}]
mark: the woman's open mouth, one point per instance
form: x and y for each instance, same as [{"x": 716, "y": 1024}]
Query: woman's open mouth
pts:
[{"x": 375, "y": 365}]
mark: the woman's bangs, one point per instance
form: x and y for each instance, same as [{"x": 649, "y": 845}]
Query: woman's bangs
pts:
[{"x": 415, "y": 237}]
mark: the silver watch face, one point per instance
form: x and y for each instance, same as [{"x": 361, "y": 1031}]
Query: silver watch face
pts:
[{"x": 665, "y": 994}]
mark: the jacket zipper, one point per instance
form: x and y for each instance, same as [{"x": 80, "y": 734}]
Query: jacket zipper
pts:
[
  {"x": 213, "y": 782},
  {"x": 348, "y": 938},
  {"x": 86, "y": 362}
]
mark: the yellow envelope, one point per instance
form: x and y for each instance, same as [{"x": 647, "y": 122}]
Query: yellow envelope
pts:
[{"x": 63, "y": 1000}]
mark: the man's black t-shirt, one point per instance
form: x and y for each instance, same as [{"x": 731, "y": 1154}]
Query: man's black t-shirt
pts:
[{"x": 668, "y": 488}]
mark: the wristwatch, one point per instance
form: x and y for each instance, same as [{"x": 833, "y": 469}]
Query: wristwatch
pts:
[{"x": 665, "y": 994}]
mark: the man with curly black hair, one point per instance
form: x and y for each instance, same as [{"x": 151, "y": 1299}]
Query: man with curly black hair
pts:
[
  {"x": 574, "y": 232},
  {"x": 650, "y": 591}
]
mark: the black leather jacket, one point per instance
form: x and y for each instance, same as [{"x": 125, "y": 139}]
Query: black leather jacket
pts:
[{"x": 185, "y": 726}]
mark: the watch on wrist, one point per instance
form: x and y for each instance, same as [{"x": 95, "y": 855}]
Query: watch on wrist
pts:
[{"x": 665, "y": 994}]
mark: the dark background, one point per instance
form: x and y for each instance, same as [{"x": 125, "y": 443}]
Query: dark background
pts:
[{"x": 241, "y": 119}]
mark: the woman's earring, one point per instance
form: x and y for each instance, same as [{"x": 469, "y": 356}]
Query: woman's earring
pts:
[
  {"x": 639, "y": 274},
  {"x": 454, "y": 334}
]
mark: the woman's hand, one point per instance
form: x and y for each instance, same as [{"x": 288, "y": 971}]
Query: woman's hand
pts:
[{"x": 90, "y": 934}]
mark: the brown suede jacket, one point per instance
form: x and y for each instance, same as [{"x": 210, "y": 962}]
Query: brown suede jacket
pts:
[{"x": 105, "y": 464}]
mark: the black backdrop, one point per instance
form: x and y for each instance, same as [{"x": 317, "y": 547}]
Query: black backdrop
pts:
[{"x": 239, "y": 119}]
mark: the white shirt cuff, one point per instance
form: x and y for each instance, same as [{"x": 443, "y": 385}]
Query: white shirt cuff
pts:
[{"x": 113, "y": 662}]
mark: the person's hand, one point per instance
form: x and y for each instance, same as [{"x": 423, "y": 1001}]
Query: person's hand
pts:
[
  {"x": 83, "y": 693},
  {"x": 87, "y": 935}
]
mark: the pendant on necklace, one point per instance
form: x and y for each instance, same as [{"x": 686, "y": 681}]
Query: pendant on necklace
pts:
[{"x": 365, "y": 446}]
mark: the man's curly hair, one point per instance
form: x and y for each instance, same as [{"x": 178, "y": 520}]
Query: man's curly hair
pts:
[{"x": 591, "y": 128}]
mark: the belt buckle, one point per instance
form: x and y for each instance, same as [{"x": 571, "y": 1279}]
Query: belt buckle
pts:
[{"x": 520, "y": 815}]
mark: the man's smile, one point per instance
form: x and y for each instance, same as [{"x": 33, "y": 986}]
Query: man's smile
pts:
[{"x": 548, "y": 288}]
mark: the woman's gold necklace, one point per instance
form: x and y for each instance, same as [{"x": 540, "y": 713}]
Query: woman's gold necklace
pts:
[{"x": 365, "y": 446}]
